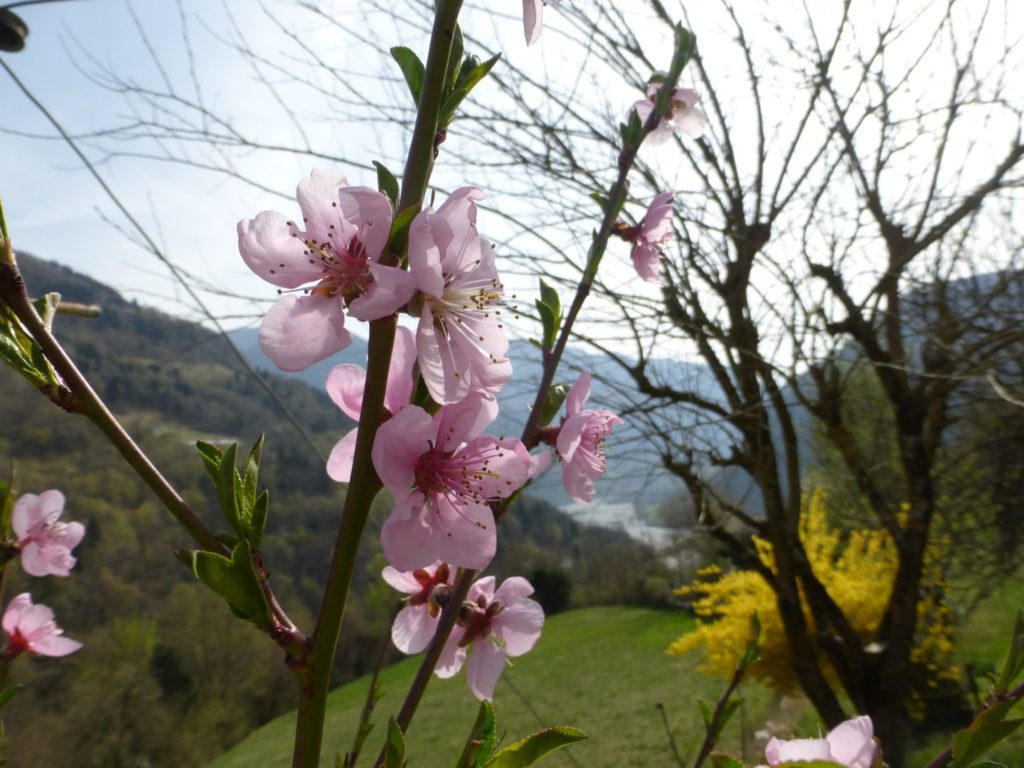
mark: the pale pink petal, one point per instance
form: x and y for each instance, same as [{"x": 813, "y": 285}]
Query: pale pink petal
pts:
[
  {"x": 403, "y": 581},
  {"x": 578, "y": 395},
  {"x": 35, "y": 618},
  {"x": 54, "y": 645},
  {"x": 518, "y": 626},
  {"x": 442, "y": 365},
  {"x": 540, "y": 462},
  {"x": 482, "y": 588},
  {"x": 33, "y": 561},
  {"x": 413, "y": 629},
  {"x": 463, "y": 421},
  {"x": 485, "y": 666},
  {"x": 339, "y": 463},
  {"x": 532, "y": 20},
  {"x": 68, "y": 535},
  {"x": 452, "y": 656},
  {"x": 646, "y": 261},
  {"x": 391, "y": 290},
  {"x": 400, "y": 381},
  {"x": 690, "y": 122},
  {"x": 570, "y": 435},
  {"x": 344, "y": 386},
  {"x": 12, "y": 615},
  {"x": 508, "y": 466},
  {"x": 798, "y": 749},
  {"x": 455, "y": 231},
  {"x": 578, "y": 483},
  {"x": 318, "y": 199},
  {"x": 514, "y": 589},
  {"x": 852, "y": 743},
  {"x": 399, "y": 443},
  {"x": 298, "y": 331},
  {"x": 407, "y": 538},
  {"x": 276, "y": 251},
  {"x": 369, "y": 213},
  {"x": 425, "y": 255},
  {"x": 466, "y": 535}
]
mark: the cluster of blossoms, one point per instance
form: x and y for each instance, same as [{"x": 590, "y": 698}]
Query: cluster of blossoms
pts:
[
  {"x": 850, "y": 744},
  {"x": 443, "y": 472},
  {"x": 45, "y": 544}
]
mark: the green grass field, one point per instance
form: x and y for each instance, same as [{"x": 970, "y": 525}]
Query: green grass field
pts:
[
  {"x": 599, "y": 669},
  {"x": 602, "y": 670}
]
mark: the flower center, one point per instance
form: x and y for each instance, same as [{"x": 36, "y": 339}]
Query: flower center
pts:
[{"x": 346, "y": 268}]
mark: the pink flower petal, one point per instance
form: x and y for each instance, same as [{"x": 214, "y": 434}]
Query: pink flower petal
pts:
[
  {"x": 463, "y": 421},
  {"x": 799, "y": 749},
  {"x": 271, "y": 249},
  {"x": 403, "y": 581},
  {"x": 466, "y": 535},
  {"x": 344, "y": 386},
  {"x": 298, "y": 331},
  {"x": 413, "y": 629},
  {"x": 318, "y": 199},
  {"x": 339, "y": 463},
  {"x": 397, "y": 448},
  {"x": 532, "y": 20},
  {"x": 12, "y": 615},
  {"x": 518, "y": 626},
  {"x": 54, "y": 645},
  {"x": 852, "y": 743},
  {"x": 400, "y": 381},
  {"x": 369, "y": 212},
  {"x": 486, "y": 664},
  {"x": 407, "y": 538},
  {"x": 391, "y": 290},
  {"x": 452, "y": 656}
]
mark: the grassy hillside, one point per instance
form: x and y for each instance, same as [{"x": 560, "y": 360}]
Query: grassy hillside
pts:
[{"x": 599, "y": 669}]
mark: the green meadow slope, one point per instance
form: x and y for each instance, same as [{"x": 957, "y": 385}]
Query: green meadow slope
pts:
[{"x": 599, "y": 669}]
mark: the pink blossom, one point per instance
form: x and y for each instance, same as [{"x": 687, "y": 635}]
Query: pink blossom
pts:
[
  {"x": 533, "y": 16},
  {"x": 650, "y": 235},
  {"x": 345, "y": 387},
  {"x": 579, "y": 442},
  {"x": 850, "y": 744},
  {"x": 684, "y": 116},
  {"x": 44, "y": 541},
  {"x": 428, "y": 589},
  {"x": 460, "y": 341},
  {"x": 32, "y": 628},
  {"x": 444, "y": 474},
  {"x": 337, "y": 258},
  {"x": 498, "y": 625}
]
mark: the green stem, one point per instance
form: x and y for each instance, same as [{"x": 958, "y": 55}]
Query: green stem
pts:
[
  {"x": 14, "y": 294},
  {"x": 315, "y": 673}
]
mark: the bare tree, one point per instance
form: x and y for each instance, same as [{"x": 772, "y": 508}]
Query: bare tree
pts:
[{"x": 849, "y": 209}]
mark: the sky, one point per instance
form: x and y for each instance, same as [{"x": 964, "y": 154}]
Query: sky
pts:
[{"x": 56, "y": 210}]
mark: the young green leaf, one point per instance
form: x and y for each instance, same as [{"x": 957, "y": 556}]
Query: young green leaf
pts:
[
  {"x": 552, "y": 404},
  {"x": 481, "y": 738},
  {"x": 394, "y": 747},
  {"x": 988, "y": 729},
  {"x": 412, "y": 70},
  {"x": 535, "y": 746},
  {"x": 235, "y": 580},
  {"x": 211, "y": 456},
  {"x": 386, "y": 182},
  {"x": 252, "y": 473},
  {"x": 229, "y": 490},
  {"x": 1014, "y": 658},
  {"x": 722, "y": 760}
]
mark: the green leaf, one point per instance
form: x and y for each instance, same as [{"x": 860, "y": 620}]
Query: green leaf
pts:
[
  {"x": 211, "y": 456},
  {"x": 535, "y": 746},
  {"x": 235, "y": 580},
  {"x": 412, "y": 70},
  {"x": 727, "y": 712},
  {"x": 9, "y": 693},
  {"x": 252, "y": 474},
  {"x": 470, "y": 74},
  {"x": 402, "y": 221},
  {"x": 480, "y": 743},
  {"x": 705, "y": 712},
  {"x": 552, "y": 403},
  {"x": 46, "y": 306},
  {"x": 553, "y": 304},
  {"x": 988, "y": 729},
  {"x": 600, "y": 199},
  {"x": 387, "y": 183},
  {"x": 722, "y": 760},
  {"x": 631, "y": 131},
  {"x": 549, "y": 323},
  {"x": 1014, "y": 658},
  {"x": 229, "y": 490},
  {"x": 454, "y": 61},
  {"x": 394, "y": 747},
  {"x": 258, "y": 521}
]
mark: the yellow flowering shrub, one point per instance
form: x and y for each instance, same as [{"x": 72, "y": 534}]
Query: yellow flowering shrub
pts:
[{"x": 857, "y": 568}]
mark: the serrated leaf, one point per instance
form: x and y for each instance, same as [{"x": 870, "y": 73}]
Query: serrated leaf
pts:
[
  {"x": 454, "y": 60},
  {"x": 252, "y": 473},
  {"x": 412, "y": 70},
  {"x": 394, "y": 747},
  {"x": 387, "y": 183},
  {"x": 480, "y": 743},
  {"x": 229, "y": 490},
  {"x": 535, "y": 746},
  {"x": 235, "y": 580},
  {"x": 469, "y": 77}
]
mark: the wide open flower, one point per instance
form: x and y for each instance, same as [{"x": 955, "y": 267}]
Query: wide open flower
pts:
[
  {"x": 850, "y": 744},
  {"x": 533, "y": 18},
  {"x": 461, "y": 345},
  {"x": 336, "y": 257},
  {"x": 444, "y": 474},
  {"x": 32, "y": 628},
  {"x": 44, "y": 541},
  {"x": 428, "y": 589},
  {"x": 580, "y": 442},
  {"x": 684, "y": 116},
  {"x": 498, "y": 625},
  {"x": 345, "y": 384}
]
